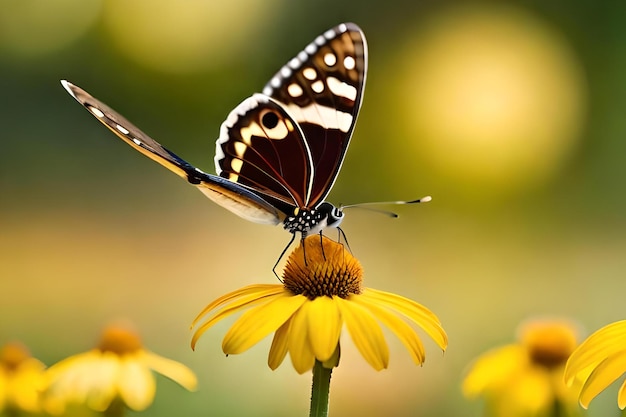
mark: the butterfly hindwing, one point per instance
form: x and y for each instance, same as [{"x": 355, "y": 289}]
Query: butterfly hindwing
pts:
[
  {"x": 262, "y": 147},
  {"x": 232, "y": 196},
  {"x": 322, "y": 89}
]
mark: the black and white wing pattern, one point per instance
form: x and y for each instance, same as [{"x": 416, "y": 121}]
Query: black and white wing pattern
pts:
[
  {"x": 319, "y": 93},
  {"x": 279, "y": 152}
]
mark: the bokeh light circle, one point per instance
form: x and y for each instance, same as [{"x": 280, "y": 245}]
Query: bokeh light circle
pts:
[
  {"x": 494, "y": 99},
  {"x": 185, "y": 36}
]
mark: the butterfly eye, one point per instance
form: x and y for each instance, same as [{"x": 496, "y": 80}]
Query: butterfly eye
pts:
[{"x": 269, "y": 120}]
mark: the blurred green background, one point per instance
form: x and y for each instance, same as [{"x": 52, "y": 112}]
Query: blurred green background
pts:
[{"x": 510, "y": 114}]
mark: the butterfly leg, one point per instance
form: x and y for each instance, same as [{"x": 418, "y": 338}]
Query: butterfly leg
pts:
[
  {"x": 345, "y": 238},
  {"x": 283, "y": 254},
  {"x": 303, "y": 247},
  {"x": 322, "y": 244}
]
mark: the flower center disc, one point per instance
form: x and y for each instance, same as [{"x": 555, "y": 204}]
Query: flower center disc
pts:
[{"x": 329, "y": 269}]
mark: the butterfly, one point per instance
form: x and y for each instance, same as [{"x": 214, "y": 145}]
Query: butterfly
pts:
[{"x": 279, "y": 152}]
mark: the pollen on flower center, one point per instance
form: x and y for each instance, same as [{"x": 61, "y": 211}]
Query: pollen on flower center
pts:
[
  {"x": 119, "y": 340},
  {"x": 12, "y": 355},
  {"x": 549, "y": 345},
  {"x": 329, "y": 269}
]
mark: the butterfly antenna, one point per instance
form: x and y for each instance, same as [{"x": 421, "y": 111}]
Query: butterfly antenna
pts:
[{"x": 366, "y": 206}]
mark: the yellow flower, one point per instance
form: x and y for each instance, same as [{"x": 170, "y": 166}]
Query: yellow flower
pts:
[
  {"x": 307, "y": 312},
  {"x": 598, "y": 362},
  {"x": 525, "y": 378},
  {"x": 117, "y": 371},
  {"x": 21, "y": 380}
]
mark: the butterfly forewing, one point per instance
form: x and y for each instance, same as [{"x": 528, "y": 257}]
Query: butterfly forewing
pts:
[
  {"x": 238, "y": 199},
  {"x": 322, "y": 89}
]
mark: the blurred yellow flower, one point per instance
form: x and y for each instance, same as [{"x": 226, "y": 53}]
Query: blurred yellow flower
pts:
[
  {"x": 307, "y": 312},
  {"x": 117, "y": 372},
  {"x": 525, "y": 378},
  {"x": 21, "y": 380},
  {"x": 598, "y": 362}
]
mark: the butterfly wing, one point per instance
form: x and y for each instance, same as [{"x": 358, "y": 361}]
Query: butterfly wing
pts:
[
  {"x": 315, "y": 99},
  {"x": 262, "y": 147},
  {"x": 234, "y": 197},
  {"x": 322, "y": 89}
]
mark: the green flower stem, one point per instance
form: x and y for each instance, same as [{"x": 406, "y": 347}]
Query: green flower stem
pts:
[
  {"x": 116, "y": 409},
  {"x": 320, "y": 390}
]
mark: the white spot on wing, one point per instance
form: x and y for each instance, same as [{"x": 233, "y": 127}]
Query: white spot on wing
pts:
[
  {"x": 330, "y": 59},
  {"x": 309, "y": 73},
  {"x": 317, "y": 86},
  {"x": 275, "y": 82},
  {"x": 349, "y": 63},
  {"x": 285, "y": 72},
  {"x": 236, "y": 165},
  {"x": 96, "y": 112},
  {"x": 267, "y": 90},
  {"x": 240, "y": 148},
  {"x": 302, "y": 56},
  {"x": 122, "y": 129},
  {"x": 342, "y": 28},
  {"x": 320, "y": 40},
  {"x": 294, "y": 90},
  {"x": 341, "y": 89},
  {"x": 310, "y": 49},
  {"x": 329, "y": 34},
  {"x": 295, "y": 63},
  {"x": 137, "y": 141}
]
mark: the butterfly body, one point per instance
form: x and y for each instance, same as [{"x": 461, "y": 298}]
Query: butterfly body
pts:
[
  {"x": 278, "y": 153},
  {"x": 314, "y": 220}
]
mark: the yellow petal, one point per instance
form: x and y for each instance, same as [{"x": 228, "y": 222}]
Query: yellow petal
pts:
[
  {"x": 603, "y": 343},
  {"x": 324, "y": 327},
  {"x": 494, "y": 368},
  {"x": 531, "y": 391},
  {"x": 3, "y": 389},
  {"x": 365, "y": 332},
  {"x": 257, "y": 323},
  {"x": 251, "y": 298},
  {"x": 401, "y": 329},
  {"x": 256, "y": 290},
  {"x": 137, "y": 386},
  {"x": 333, "y": 361},
  {"x": 171, "y": 369},
  {"x": 300, "y": 351},
  {"x": 604, "y": 375},
  {"x": 26, "y": 384},
  {"x": 88, "y": 378},
  {"x": 621, "y": 396},
  {"x": 97, "y": 381},
  {"x": 417, "y": 313},
  {"x": 279, "y": 349}
]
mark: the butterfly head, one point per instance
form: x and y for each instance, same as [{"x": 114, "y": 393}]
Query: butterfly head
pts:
[{"x": 334, "y": 215}]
